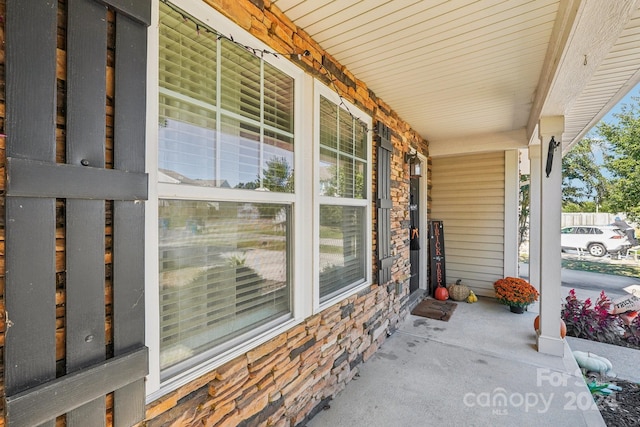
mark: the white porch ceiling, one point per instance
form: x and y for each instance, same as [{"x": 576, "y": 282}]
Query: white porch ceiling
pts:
[{"x": 476, "y": 75}]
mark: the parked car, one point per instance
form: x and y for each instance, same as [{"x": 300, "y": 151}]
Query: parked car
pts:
[{"x": 598, "y": 240}]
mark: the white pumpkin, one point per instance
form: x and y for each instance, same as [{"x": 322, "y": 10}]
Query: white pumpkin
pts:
[{"x": 592, "y": 362}]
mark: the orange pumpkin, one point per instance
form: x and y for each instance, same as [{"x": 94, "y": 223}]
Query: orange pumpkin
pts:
[
  {"x": 563, "y": 326},
  {"x": 441, "y": 293}
]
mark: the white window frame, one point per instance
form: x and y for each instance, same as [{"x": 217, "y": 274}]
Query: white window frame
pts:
[
  {"x": 322, "y": 90},
  {"x": 302, "y": 206}
]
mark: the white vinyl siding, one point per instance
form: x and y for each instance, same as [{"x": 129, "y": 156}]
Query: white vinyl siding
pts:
[{"x": 468, "y": 195}]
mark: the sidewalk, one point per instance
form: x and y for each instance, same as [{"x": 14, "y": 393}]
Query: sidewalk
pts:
[
  {"x": 625, "y": 361},
  {"x": 479, "y": 369}
]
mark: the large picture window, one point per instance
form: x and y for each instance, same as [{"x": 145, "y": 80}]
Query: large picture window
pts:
[
  {"x": 343, "y": 200},
  {"x": 223, "y": 272},
  {"x": 225, "y": 192}
]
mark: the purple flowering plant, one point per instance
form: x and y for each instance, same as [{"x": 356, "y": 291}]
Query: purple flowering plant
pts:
[
  {"x": 632, "y": 333},
  {"x": 591, "y": 321},
  {"x": 587, "y": 320}
]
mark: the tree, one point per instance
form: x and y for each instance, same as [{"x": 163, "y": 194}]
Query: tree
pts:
[
  {"x": 278, "y": 176},
  {"x": 584, "y": 186},
  {"x": 523, "y": 217},
  {"x": 622, "y": 159}
]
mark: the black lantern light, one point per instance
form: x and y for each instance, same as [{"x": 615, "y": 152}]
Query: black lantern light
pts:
[{"x": 414, "y": 163}]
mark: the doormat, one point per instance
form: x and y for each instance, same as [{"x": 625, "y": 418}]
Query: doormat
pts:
[{"x": 435, "y": 309}]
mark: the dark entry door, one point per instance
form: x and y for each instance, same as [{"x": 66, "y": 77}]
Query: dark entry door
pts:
[{"x": 414, "y": 232}]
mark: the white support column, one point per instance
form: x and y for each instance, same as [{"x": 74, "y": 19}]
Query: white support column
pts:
[
  {"x": 511, "y": 192},
  {"x": 534, "y": 219},
  {"x": 549, "y": 340}
]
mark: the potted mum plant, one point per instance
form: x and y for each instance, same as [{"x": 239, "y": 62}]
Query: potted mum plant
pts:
[{"x": 516, "y": 293}]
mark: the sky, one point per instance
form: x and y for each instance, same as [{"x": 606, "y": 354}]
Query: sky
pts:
[
  {"x": 609, "y": 117},
  {"x": 626, "y": 100}
]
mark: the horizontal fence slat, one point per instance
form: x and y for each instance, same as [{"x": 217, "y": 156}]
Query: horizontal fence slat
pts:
[
  {"x": 32, "y": 178},
  {"x": 42, "y": 403}
]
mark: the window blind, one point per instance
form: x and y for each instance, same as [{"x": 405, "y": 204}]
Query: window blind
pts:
[
  {"x": 230, "y": 144},
  {"x": 226, "y": 120},
  {"x": 343, "y": 163},
  {"x": 342, "y": 252},
  {"x": 223, "y": 270}
]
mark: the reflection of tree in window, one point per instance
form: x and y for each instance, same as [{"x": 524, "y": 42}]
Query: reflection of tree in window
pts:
[
  {"x": 278, "y": 176},
  {"x": 343, "y": 153},
  {"x": 343, "y": 182}
]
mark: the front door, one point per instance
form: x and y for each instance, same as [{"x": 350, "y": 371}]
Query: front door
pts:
[{"x": 414, "y": 233}]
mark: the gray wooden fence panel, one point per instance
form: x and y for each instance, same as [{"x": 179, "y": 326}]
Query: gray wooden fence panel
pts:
[
  {"x": 30, "y": 223},
  {"x": 384, "y": 203},
  {"x": 34, "y": 180},
  {"x": 128, "y": 220},
  {"x": 85, "y": 219}
]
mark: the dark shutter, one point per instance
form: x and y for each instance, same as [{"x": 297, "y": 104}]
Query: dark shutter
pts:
[
  {"x": 385, "y": 151},
  {"x": 37, "y": 392}
]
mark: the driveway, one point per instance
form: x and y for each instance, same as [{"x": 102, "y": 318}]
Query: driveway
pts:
[{"x": 590, "y": 283}]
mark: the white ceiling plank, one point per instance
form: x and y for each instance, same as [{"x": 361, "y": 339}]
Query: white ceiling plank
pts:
[
  {"x": 464, "y": 23},
  {"x": 459, "y": 40},
  {"x": 441, "y": 64},
  {"x": 407, "y": 23},
  {"x": 458, "y": 68},
  {"x": 286, "y": 5},
  {"x": 384, "y": 13},
  {"x": 308, "y": 7}
]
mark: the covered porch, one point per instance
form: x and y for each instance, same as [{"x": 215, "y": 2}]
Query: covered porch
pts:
[
  {"x": 479, "y": 368},
  {"x": 476, "y": 90},
  {"x": 497, "y": 88}
]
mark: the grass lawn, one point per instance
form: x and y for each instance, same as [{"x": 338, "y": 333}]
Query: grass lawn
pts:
[
  {"x": 596, "y": 265},
  {"x": 602, "y": 267}
]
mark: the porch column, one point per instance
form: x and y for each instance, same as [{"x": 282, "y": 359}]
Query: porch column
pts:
[
  {"x": 535, "y": 172},
  {"x": 511, "y": 192},
  {"x": 549, "y": 270}
]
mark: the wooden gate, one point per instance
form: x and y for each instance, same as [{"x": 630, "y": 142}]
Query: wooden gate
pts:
[{"x": 74, "y": 218}]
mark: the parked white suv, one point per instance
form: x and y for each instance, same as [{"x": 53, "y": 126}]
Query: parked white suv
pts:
[{"x": 597, "y": 239}]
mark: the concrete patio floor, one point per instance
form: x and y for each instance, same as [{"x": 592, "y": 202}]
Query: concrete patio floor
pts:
[{"x": 479, "y": 369}]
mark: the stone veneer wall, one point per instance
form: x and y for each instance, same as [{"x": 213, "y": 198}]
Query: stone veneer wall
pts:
[{"x": 287, "y": 380}]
